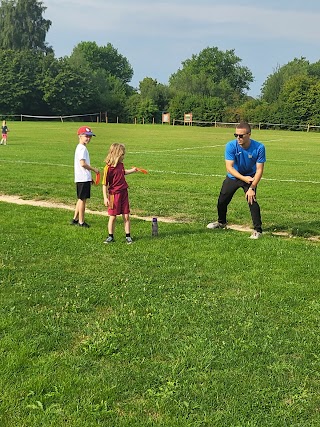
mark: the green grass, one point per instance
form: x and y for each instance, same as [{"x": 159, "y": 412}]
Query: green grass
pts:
[
  {"x": 193, "y": 328},
  {"x": 186, "y": 170}
]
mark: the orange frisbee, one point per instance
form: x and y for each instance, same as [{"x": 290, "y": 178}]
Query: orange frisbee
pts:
[
  {"x": 97, "y": 180},
  {"x": 142, "y": 170}
]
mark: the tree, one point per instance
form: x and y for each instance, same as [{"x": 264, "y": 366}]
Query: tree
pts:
[
  {"x": 132, "y": 107},
  {"x": 89, "y": 54},
  {"x": 23, "y": 26},
  {"x": 213, "y": 73},
  {"x": 67, "y": 89},
  {"x": 272, "y": 87},
  {"x": 110, "y": 73},
  {"x": 300, "y": 96},
  {"x": 21, "y": 82},
  {"x": 158, "y": 93},
  {"x": 203, "y": 108}
]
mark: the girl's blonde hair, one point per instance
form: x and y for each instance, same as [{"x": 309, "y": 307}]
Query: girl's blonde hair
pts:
[{"x": 116, "y": 150}]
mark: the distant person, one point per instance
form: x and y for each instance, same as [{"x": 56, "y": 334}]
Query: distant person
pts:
[
  {"x": 115, "y": 190},
  {"x": 82, "y": 175},
  {"x": 4, "y": 132},
  {"x": 245, "y": 160}
]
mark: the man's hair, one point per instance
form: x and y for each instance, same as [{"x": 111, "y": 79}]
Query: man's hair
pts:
[{"x": 244, "y": 125}]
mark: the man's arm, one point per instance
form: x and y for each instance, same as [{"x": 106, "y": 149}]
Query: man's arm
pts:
[
  {"x": 251, "y": 193},
  {"x": 258, "y": 175},
  {"x": 236, "y": 174}
]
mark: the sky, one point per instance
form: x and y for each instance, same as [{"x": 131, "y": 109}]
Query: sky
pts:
[{"x": 156, "y": 36}]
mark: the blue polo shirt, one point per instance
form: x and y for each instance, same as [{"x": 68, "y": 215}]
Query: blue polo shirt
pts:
[{"x": 245, "y": 160}]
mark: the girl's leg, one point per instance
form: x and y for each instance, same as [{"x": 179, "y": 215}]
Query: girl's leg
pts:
[
  {"x": 126, "y": 222},
  {"x": 112, "y": 224}
]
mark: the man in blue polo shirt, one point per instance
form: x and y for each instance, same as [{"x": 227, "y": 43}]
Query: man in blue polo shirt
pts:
[{"x": 245, "y": 159}]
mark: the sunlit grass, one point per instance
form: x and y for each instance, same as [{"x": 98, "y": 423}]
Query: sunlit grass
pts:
[{"x": 192, "y": 328}]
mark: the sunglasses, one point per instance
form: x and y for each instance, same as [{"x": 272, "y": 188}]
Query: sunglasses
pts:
[{"x": 239, "y": 135}]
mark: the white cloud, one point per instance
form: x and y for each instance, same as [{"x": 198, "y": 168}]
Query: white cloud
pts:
[
  {"x": 156, "y": 36},
  {"x": 180, "y": 19}
]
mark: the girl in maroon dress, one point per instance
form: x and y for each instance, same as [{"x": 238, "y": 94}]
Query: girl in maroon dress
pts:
[{"x": 115, "y": 190}]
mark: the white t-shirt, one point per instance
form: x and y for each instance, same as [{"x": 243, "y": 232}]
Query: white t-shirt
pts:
[{"x": 81, "y": 174}]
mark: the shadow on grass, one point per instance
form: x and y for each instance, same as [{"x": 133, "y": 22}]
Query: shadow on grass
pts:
[
  {"x": 302, "y": 229},
  {"x": 178, "y": 231}
]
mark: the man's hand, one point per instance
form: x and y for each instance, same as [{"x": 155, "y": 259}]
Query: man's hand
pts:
[
  {"x": 251, "y": 196},
  {"x": 248, "y": 179}
]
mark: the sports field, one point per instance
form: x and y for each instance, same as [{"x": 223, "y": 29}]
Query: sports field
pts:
[{"x": 192, "y": 328}]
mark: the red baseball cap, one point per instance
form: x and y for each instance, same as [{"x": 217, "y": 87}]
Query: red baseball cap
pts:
[{"x": 85, "y": 130}]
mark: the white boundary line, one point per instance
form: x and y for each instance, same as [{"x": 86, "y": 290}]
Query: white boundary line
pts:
[
  {"x": 222, "y": 176},
  {"x": 175, "y": 173}
]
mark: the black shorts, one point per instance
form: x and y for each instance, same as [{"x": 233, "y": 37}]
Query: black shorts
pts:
[{"x": 83, "y": 190}]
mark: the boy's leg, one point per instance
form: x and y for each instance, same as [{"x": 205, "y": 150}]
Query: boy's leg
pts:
[
  {"x": 83, "y": 193},
  {"x": 76, "y": 212},
  {"x": 80, "y": 210}
]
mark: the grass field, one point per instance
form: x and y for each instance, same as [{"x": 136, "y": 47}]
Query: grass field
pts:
[{"x": 193, "y": 328}]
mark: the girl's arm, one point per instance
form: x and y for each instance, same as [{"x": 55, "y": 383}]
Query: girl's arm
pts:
[
  {"x": 105, "y": 195},
  {"x": 132, "y": 170}
]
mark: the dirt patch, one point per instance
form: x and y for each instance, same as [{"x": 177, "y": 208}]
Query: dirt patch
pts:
[{"x": 45, "y": 204}]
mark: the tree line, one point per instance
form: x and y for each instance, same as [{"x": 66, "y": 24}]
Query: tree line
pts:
[{"x": 212, "y": 84}]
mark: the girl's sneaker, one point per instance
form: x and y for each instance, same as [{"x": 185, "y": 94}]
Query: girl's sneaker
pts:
[
  {"x": 129, "y": 240},
  {"x": 109, "y": 240}
]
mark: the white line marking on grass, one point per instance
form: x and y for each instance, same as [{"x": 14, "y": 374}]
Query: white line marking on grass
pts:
[
  {"x": 186, "y": 173},
  {"x": 176, "y": 149},
  {"x": 36, "y": 163},
  {"x": 222, "y": 176},
  {"x": 291, "y": 180},
  {"x": 292, "y": 161},
  {"x": 173, "y": 172}
]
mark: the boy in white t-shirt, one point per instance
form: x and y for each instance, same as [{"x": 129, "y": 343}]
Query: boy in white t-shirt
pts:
[{"x": 82, "y": 175}]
